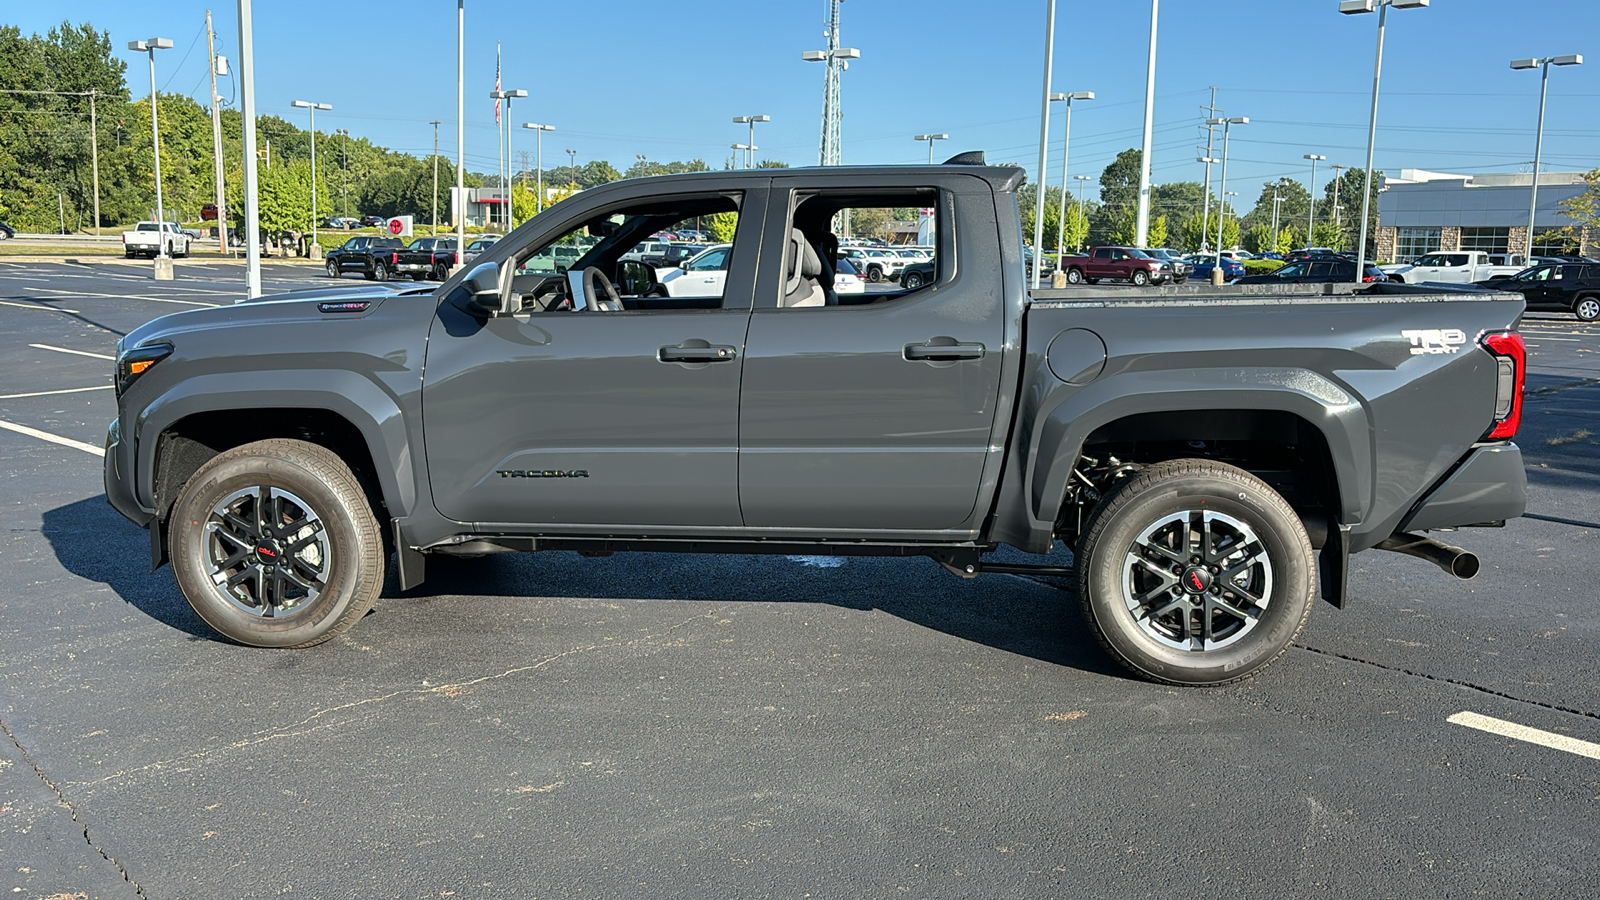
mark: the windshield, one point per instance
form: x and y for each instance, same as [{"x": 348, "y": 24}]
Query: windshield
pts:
[{"x": 1139, "y": 254}]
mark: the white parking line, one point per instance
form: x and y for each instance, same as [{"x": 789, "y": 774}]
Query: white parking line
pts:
[
  {"x": 53, "y": 438},
  {"x": 73, "y": 352},
  {"x": 38, "y": 306},
  {"x": 128, "y": 297},
  {"x": 1522, "y": 733},
  {"x": 102, "y": 387}
]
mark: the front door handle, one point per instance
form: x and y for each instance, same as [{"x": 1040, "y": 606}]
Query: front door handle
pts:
[
  {"x": 705, "y": 353},
  {"x": 942, "y": 352}
]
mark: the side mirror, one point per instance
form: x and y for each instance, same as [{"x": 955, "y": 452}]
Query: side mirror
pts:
[
  {"x": 684, "y": 265},
  {"x": 634, "y": 277},
  {"x": 482, "y": 287}
]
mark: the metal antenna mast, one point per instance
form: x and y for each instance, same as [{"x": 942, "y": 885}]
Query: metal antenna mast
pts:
[{"x": 837, "y": 59}]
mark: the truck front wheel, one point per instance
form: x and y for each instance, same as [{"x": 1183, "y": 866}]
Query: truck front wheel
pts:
[
  {"x": 1195, "y": 573},
  {"x": 1074, "y": 276},
  {"x": 1587, "y": 309},
  {"x": 1140, "y": 277},
  {"x": 275, "y": 545}
]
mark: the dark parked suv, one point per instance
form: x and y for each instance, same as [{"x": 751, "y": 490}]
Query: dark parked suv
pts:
[
  {"x": 1569, "y": 287},
  {"x": 1317, "y": 270}
]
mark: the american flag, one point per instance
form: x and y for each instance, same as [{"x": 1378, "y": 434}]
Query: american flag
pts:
[{"x": 497, "y": 82}]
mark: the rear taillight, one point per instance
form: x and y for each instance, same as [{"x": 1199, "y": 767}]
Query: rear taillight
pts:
[
  {"x": 394, "y": 259},
  {"x": 1511, "y": 358},
  {"x": 457, "y": 258}
]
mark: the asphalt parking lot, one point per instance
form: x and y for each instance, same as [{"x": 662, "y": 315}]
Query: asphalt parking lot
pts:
[{"x": 676, "y": 726}]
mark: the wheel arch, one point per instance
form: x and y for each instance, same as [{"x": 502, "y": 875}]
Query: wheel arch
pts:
[{"x": 347, "y": 414}]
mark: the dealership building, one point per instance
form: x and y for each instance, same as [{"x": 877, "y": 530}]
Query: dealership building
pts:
[{"x": 1421, "y": 212}]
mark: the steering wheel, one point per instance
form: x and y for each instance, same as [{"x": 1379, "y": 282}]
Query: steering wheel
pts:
[{"x": 593, "y": 282}]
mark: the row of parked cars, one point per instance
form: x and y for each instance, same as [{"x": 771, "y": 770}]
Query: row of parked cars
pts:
[{"x": 425, "y": 258}]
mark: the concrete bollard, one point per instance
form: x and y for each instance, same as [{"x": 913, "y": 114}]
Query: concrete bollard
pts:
[
  {"x": 316, "y": 251},
  {"x": 1216, "y": 276},
  {"x": 1058, "y": 280},
  {"x": 162, "y": 270}
]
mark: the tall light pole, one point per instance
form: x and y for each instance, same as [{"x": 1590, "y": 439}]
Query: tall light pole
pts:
[
  {"x": 1311, "y": 190},
  {"x": 151, "y": 46},
  {"x": 1277, "y": 202},
  {"x": 538, "y": 160},
  {"x": 1044, "y": 142},
  {"x": 315, "y": 251},
  {"x": 572, "y": 167},
  {"x": 838, "y": 60},
  {"x": 1205, "y": 215},
  {"x": 1538, "y": 143},
  {"x": 1222, "y": 215},
  {"x": 1142, "y": 228},
  {"x": 743, "y": 151},
  {"x": 504, "y": 163},
  {"x": 344, "y": 167},
  {"x": 435, "y": 230},
  {"x": 216, "y": 63},
  {"x": 930, "y": 138},
  {"x": 247, "y": 115},
  {"x": 460, "y": 203},
  {"x": 1082, "y": 179},
  {"x": 1066, "y": 145},
  {"x": 749, "y": 158},
  {"x": 1353, "y": 8}
]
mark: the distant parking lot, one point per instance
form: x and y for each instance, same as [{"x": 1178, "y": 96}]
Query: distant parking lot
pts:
[{"x": 549, "y": 725}]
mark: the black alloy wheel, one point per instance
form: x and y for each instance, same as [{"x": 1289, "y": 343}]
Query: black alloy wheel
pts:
[
  {"x": 274, "y": 544},
  {"x": 1195, "y": 573},
  {"x": 380, "y": 271},
  {"x": 911, "y": 281},
  {"x": 333, "y": 268}
]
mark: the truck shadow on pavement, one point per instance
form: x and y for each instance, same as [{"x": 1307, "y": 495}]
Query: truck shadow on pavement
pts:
[{"x": 1018, "y": 615}]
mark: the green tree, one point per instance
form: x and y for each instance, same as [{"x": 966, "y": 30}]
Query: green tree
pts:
[
  {"x": 722, "y": 226},
  {"x": 771, "y": 164},
  {"x": 1290, "y": 238},
  {"x": 1583, "y": 210},
  {"x": 1119, "y": 182},
  {"x": 1175, "y": 200},
  {"x": 1157, "y": 236},
  {"x": 1326, "y": 234},
  {"x": 1260, "y": 239},
  {"x": 1296, "y": 203},
  {"x": 522, "y": 204},
  {"x": 1198, "y": 233},
  {"x": 1350, "y": 185}
]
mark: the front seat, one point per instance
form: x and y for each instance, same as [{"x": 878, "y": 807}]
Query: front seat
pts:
[{"x": 802, "y": 266}]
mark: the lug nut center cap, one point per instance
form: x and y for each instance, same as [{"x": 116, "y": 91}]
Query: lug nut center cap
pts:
[{"x": 1195, "y": 580}]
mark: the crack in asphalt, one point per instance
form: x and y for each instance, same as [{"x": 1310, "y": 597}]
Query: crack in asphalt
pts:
[
  {"x": 1560, "y": 521},
  {"x": 1558, "y": 388},
  {"x": 300, "y": 728},
  {"x": 1556, "y": 707},
  {"x": 70, "y": 808}
]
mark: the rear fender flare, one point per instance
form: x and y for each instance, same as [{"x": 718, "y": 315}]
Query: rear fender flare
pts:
[{"x": 1066, "y": 425}]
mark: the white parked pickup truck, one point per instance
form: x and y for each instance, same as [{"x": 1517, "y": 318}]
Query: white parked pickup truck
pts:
[
  {"x": 1463, "y": 267},
  {"x": 148, "y": 239}
]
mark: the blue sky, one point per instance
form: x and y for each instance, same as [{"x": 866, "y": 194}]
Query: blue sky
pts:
[{"x": 664, "y": 79}]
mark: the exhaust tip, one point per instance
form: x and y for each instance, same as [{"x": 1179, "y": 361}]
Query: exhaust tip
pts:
[{"x": 1465, "y": 566}]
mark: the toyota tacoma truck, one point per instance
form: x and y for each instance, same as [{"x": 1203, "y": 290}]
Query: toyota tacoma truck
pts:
[
  {"x": 427, "y": 258},
  {"x": 1211, "y": 462},
  {"x": 1452, "y": 268}
]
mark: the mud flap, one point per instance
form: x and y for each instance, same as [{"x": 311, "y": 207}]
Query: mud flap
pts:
[{"x": 1333, "y": 567}]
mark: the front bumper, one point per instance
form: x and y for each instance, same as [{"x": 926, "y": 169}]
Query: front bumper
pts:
[
  {"x": 119, "y": 477},
  {"x": 1490, "y": 486}
]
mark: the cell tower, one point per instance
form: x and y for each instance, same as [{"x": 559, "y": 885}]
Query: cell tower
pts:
[{"x": 837, "y": 59}]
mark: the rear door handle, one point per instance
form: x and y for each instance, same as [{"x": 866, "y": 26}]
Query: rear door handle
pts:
[
  {"x": 931, "y": 352},
  {"x": 701, "y": 354}
]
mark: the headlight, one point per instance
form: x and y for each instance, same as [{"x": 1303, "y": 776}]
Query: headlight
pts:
[{"x": 133, "y": 363}]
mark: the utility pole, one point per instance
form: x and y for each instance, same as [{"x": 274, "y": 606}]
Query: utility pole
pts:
[
  {"x": 1207, "y": 159},
  {"x": 1336, "y": 172},
  {"x": 524, "y": 155},
  {"x": 94, "y": 156},
  {"x": 1142, "y": 224},
  {"x": 247, "y": 107},
  {"x": 435, "y": 124},
  {"x": 216, "y": 140}
]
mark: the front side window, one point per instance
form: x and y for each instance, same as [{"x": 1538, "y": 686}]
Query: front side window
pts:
[{"x": 1296, "y": 270}]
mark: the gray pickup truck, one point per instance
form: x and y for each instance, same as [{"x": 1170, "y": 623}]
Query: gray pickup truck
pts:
[{"x": 1211, "y": 462}]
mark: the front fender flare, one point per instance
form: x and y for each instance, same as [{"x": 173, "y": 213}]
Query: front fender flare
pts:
[{"x": 366, "y": 405}]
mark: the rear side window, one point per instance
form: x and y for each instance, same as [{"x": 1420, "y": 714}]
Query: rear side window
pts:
[{"x": 811, "y": 257}]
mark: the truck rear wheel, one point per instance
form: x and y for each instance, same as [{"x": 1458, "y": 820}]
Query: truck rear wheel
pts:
[
  {"x": 1587, "y": 309},
  {"x": 380, "y": 271},
  {"x": 275, "y": 545},
  {"x": 1195, "y": 573}
]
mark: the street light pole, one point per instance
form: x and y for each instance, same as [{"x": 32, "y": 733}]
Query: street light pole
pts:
[
  {"x": 1142, "y": 227},
  {"x": 930, "y": 138},
  {"x": 1538, "y": 143},
  {"x": 1222, "y": 214},
  {"x": 1066, "y": 145},
  {"x": 1044, "y": 143},
  {"x": 1352, "y": 8},
  {"x": 151, "y": 46},
  {"x": 315, "y": 250},
  {"x": 460, "y": 199},
  {"x": 1082, "y": 179},
  {"x": 1311, "y": 217},
  {"x": 538, "y": 160},
  {"x": 1205, "y": 215},
  {"x": 247, "y": 111},
  {"x": 749, "y": 158}
]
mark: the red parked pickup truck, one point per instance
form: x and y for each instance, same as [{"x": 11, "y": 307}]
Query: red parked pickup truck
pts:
[{"x": 1125, "y": 263}]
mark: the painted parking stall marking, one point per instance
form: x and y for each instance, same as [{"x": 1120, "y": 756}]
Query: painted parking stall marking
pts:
[
  {"x": 53, "y": 438},
  {"x": 100, "y": 387},
  {"x": 1524, "y": 733},
  {"x": 73, "y": 352}
]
